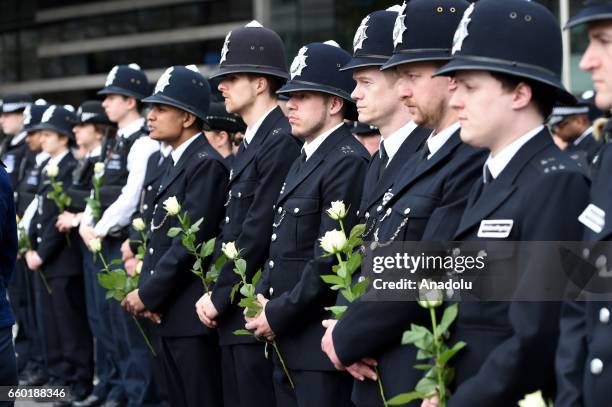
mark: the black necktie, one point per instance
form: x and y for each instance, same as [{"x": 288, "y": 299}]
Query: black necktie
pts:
[
  {"x": 302, "y": 161},
  {"x": 384, "y": 160},
  {"x": 243, "y": 146},
  {"x": 424, "y": 154},
  {"x": 162, "y": 159},
  {"x": 487, "y": 177}
]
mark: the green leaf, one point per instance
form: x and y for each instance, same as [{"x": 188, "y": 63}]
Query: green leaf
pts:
[
  {"x": 242, "y": 332},
  {"x": 109, "y": 295},
  {"x": 174, "y": 232},
  {"x": 196, "y": 226},
  {"x": 220, "y": 262},
  {"x": 208, "y": 248},
  {"x": 341, "y": 271},
  {"x": 360, "y": 288},
  {"x": 241, "y": 266},
  {"x": 450, "y": 313},
  {"x": 256, "y": 278},
  {"x": 423, "y": 354},
  {"x": 118, "y": 295},
  {"x": 445, "y": 357},
  {"x": 197, "y": 266},
  {"x": 427, "y": 385},
  {"x": 353, "y": 263},
  {"x": 419, "y": 336},
  {"x": 337, "y": 310},
  {"x": 357, "y": 231},
  {"x": 405, "y": 398},
  {"x": 235, "y": 289},
  {"x": 116, "y": 262},
  {"x": 422, "y": 367},
  {"x": 332, "y": 279}
]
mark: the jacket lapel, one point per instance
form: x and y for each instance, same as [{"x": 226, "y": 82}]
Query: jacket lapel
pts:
[
  {"x": 293, "y": 179},
  {"x": 408, "y": 148},
  {"x": 243, "y": 159},
  {"x": 178, "y": 168}
]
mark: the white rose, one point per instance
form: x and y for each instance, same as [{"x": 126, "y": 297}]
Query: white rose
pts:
[
  {"x": 99, "y": 169},
  {"x": 230, "y": 251},
  {"x": 333, "y": 241},
  {"x": 172, "y": 206},
  {"x": 337, "y": 211},
  {"x": 534, "y": 399},
  {"x": 430, "y": 298},
  {"x": 95, "y": 245},
  {"x": 52, "y": 170},
  {"x": 138, "y": 267},
  {"x": 138, "y": 224}
]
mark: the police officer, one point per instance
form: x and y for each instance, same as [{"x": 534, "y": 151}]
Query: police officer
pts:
[
  {"x": 573, "y": 132},
  {"x": 197, "y": 179},
  {"x": 13, "y": 147},
  {"x": 124, "y": 171},
  {"x": 425, "y": 203},
  {"x": 222, "y": 127},
  {"x": 379, "y": 104},
  {"x": 331, "y": 167},
  {"x": 252, "y": 69},
  {"x": 367, "y": 135},
  {"x": 68, "y": 341},
  {"x": 8, "y": 250},
  {"x": 506, "y": 86},
  {"x": 584, "y": 356}
]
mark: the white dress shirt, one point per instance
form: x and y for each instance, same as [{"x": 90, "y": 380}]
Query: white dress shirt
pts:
[
  {"x": 311, "y": 147},
  {"x": 502, "y": 159},
  {"x": 436, "y": 141},
  {"x": 178, "y": 153},
  {"x": 250, "y": 132},
  {"x": 120, "y": 212},
  {"x": 394, "y": 141}
]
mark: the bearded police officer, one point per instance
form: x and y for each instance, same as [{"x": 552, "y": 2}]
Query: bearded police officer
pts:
[
  {"x": 13, "y": 147},
  {"x": 61, "y": 297},
  {"x": 425, "y": 203},
  {"x": 331, "y": 167},
  {"x": 506, "y": 86},
  {"x": 197, "y": 178},
  {"x": 584, "y": 355},
  {"x": 252, "y": 69},
  {"x": 124, "y": 170}
]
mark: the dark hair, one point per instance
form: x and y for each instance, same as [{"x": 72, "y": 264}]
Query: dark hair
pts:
[
  {"x": 543, "y": 96},
  {"x": 106, "y": 130},
  {"x": 199, "y": 123},
  {"x": 274, "y": 82},
  {"x": 139, "y": 104}
]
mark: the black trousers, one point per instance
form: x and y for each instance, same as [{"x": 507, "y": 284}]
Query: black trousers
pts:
[
  {"x": 313, "y": 388},
  {"x": 247, "y": 376},
  {"x": 192, "y": 370},
  {"x": 68, "y": 340},
  {"x": 8, "y": 364}
]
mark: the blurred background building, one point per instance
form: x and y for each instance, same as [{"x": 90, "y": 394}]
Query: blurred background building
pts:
[{"x": 62, "y": 49}]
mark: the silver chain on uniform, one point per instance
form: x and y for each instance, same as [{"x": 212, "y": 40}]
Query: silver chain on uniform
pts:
[{"x": 377, "y": 242}]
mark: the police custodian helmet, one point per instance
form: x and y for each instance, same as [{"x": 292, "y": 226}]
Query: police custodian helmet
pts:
[
  {"x": 58, "y": 119},
  {"x": 514, "y": 37},
  {"x": 592, "y": 10},
  {"x": 424, "y": 30},
  {"x": 253, "y": 49},
  {"x": 316, "y": 68},
  {"x": 185, "y": 88},
  {"x": 127, "y": 80}
]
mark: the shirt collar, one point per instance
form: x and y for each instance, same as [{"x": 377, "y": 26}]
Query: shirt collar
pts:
[
  {"x": 41, "y": 157},
  {"x": 57, "y": 159},
  {"x": 311, "y": 147},
  {"x": 252, "y": 130},
  {"x": 131, "y": 128},
  {"x": 394, "y": 141},
  {"x": 95, "y": 152},
  {"x": 176, "y": 154},
  {"x": 584, "y": 135},
  {"x": 165, "y": 150},
  {"x": 436, "y": 141},
  {"x": 502, "y": 159},
  {"x": 17, "y": 139}
]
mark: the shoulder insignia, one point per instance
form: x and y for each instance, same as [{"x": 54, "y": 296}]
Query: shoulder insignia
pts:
[{"x": 347, "y": 150}]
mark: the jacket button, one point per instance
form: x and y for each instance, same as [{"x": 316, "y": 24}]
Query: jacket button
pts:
[
  {"x": 145, "y": 207},
  {"x": 357, "y": 213},
  {"x": 271, "y": 291},
  {"x": 586, "y": 253},
  {"x": 227, "y": 219},
  {"x": 271, "y": 264},
  {"x": 367, "y": 215},
  {"x": 379, "y": 208},
  {"x": 280, "y": 209},
  {"x": 152, "y": 272},
  {"x": 456, "y": 251},
  {"x": 296, "y": 210},
  {"x": 39, "y": 239},
  {"x": 604, "y": 315},
  {"x": 482, "y": 253},
  {"x": 239, "y": 194},
  {"x": 151, "y": 250},
  {"x": 596, "y": 366},
  {"x": 360, "y": 279},
  {"x": 38, "y": 226},
  {"x": 149, "y": 188},
  {"x": 273, "y": 237}
]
